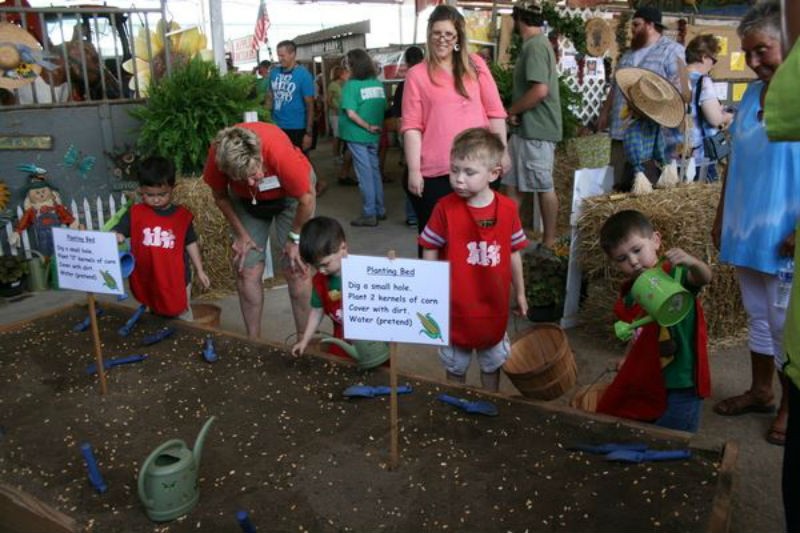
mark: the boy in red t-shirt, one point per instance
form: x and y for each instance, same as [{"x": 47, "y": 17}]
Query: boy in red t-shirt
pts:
[
  {"x": 162, "y": 236},
  {"x": 478, "y": 230}
]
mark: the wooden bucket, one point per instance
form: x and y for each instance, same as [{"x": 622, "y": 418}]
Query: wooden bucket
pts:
[
  {"x": 541, "y": 364},
  {"x": 588, "y": 396},
  {"x": 206, "y": 314}
]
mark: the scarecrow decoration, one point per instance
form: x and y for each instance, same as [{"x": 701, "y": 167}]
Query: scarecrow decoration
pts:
[
  {"x": 653, "y": 104},
  {"x": 43, "y": 211},
  {"x": 21, "y": 57}
]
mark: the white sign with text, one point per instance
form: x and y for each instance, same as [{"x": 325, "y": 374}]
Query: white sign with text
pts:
[
  {"x": 88, "y": 261},
  {"x": 396, "y": 300}
]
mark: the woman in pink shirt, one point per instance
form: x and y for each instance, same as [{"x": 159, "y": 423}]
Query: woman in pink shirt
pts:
[{"x": 452, "y": 90}]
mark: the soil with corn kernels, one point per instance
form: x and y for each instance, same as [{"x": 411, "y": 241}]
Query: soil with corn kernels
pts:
[{"x": 290, "y": 449}]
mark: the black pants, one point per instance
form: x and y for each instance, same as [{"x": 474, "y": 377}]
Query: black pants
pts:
[
  {"x": 791, "y": 463},
  {"x": 435, "y": 188}
]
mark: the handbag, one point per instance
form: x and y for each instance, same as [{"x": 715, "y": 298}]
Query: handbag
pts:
[{"x": 717, "y": 146}]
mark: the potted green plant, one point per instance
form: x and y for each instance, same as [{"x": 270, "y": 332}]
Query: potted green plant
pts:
[
  {"x": 12, "y": 271},
  {"x": 546, "y": 281}
]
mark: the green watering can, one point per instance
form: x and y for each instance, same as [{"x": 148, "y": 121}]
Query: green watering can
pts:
[
  {"x": 664, "y": 299},
  {"x": 168, "y": 478},
  {"x": 37, "y": 272},
  {"x": 368, "y": 354}
]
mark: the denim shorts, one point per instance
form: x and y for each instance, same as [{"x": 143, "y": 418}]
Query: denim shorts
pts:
[{"x": 456, "y": 359}]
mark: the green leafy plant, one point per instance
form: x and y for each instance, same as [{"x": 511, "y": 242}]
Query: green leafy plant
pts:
[
  {"x": 546, "y": 275},
  {"x": 12, "y": 268},
  {"x": 185, "y": 111}
]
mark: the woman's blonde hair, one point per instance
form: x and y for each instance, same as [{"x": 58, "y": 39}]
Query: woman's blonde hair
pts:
[
  {"x": 238, "y": 153},
  {"x": 462, "y": 66}
]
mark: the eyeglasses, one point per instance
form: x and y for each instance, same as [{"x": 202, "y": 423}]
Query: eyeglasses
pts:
[{"x": 444, "y": 36}]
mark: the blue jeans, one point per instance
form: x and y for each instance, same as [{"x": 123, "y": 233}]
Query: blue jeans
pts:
[
  {"x": 368, "y": 172},
  {"x": 683, "y": 410}
]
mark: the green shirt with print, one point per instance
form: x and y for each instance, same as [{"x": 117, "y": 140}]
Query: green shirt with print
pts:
[
  {"x": 334, "y": 284},
  {"x": 368, "y": 99},
  {"x": 537, "y": 64}
]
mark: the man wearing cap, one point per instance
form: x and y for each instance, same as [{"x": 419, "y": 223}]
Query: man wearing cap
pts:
[
  {"x": 652, "y": 51},
  {"x": 535, "y": 115}
]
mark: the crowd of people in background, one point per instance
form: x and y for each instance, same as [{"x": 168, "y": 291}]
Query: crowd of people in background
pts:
[{"x": 450, "y": 95}]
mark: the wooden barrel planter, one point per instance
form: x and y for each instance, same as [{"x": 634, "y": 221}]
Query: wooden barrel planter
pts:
[
  {"x": 206, "y": 314},
  {"x": 587, "y": 397},
  {"x": 541, "y": 364}
]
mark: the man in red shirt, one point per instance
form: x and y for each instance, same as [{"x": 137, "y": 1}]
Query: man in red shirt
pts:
[{"x": 256, "y": 176}]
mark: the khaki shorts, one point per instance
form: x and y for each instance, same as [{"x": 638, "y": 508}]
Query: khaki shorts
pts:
[
  {"x": 259, "y": 229},
  {"x": 531, "y": 165}
]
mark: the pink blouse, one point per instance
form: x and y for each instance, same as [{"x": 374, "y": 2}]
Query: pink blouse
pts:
[{"x": 440, "y": 113}]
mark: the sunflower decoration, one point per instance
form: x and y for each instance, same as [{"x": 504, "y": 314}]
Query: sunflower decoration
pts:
[
  {"x": 5, "y": 195},
  {"x": 184, "y": 44}
]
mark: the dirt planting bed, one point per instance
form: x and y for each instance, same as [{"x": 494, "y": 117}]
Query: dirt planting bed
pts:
[{"x": 290, "y": 449}]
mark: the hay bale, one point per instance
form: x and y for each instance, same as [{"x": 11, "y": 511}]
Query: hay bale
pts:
[
  {"x": 213, "y": 237},
  {"x": 683, "y": 216}
]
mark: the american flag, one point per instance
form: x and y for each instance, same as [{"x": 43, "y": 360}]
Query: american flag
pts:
[{"x": 262, "y": 25}]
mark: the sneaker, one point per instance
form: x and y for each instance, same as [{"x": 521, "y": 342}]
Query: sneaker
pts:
[
  {"x": 411, "y": 222},
  {"x": 382, "y": 217},
  {"x": 364, "y": 221}
]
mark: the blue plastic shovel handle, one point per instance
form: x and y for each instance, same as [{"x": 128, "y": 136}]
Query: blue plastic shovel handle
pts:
[
  {"x": 108, "y": 363},
  {"x": 473, "y": 407},
  {"x": 125, "y": 330},
  {"x": 95, "y": 477},
  {"x": 608, "y": 447},
  {"x": 209, "y": 351},
  {"x": 84, "y": 324},
  {"x": 368, "y": 391},
  {"x": 244, "y": 522},
  {"x": 158, "y": 336},
  {"x": 629, "y": 456}
]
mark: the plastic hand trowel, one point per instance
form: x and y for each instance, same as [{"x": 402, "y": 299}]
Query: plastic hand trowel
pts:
[{"x": 480, "y": 407}]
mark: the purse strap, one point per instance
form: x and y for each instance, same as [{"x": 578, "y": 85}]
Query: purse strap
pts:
[{"x": 700, "y": 118}]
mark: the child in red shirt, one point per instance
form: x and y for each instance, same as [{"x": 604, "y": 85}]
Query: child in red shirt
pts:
[
  {"x": 162, "y": 236},
  {"x": 478, "y": 230}
]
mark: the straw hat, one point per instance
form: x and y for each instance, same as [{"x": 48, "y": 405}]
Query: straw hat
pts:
[
  {"x": 652, "y": 95},
  {"x": 599, "y": 37},
  {"x": 18, "y": 51}
]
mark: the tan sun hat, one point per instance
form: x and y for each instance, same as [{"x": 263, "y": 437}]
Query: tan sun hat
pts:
[
  {"x": 15, "y": 45},
  {"x": 599, "y": 36},
  {"x": 652, "y": 95}
]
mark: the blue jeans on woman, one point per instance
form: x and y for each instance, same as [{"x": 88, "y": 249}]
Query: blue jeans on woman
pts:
[{"x": 368, "y": 172}]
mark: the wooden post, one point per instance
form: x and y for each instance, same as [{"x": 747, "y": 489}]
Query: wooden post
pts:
[
  {"x": 395, "y": 454},
  {"x": 98, "y": 353}
]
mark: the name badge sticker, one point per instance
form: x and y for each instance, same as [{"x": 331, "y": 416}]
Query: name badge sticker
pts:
[{"x": 268, "y": 183}]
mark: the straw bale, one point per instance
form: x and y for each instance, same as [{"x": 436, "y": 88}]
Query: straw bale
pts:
[
  {"x": 213, "y": 238},
  {"x": 683, "y": 216}
]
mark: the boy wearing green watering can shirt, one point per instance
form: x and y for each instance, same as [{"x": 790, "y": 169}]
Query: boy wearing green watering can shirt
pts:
[{"x": 665, "y": 374}]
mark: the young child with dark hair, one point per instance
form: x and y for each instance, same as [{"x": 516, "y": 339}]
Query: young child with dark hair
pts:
[
  {"x": 665, "y": 374},
  {"x": 162, "y": 237},
  {"x": 323, "y": 245},
  {"x": 479, "y": 231}
]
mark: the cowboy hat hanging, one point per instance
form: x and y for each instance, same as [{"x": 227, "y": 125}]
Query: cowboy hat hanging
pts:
[
  {"x": 21, "y": 58},
  {"x": 599, "y": 37},
  {"x": 652, "y": 95}
]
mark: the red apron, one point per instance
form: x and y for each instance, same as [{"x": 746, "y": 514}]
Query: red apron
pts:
[{"x": 158, "y": 245}]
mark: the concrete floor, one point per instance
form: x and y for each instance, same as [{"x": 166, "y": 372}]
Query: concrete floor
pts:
[{"x": 757, "y": 505}]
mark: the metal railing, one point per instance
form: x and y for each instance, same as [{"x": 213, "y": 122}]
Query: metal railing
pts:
[{"x": 88, "y": 47}]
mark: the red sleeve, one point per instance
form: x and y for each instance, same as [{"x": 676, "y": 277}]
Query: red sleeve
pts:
[
  {"x": 519, "y": 241},
  {"x": 27, "y": 219},
  {"x": 64, "y": 215},
  {"x": 211, "y": 174},
  {"x": 433, "y": 236}
]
